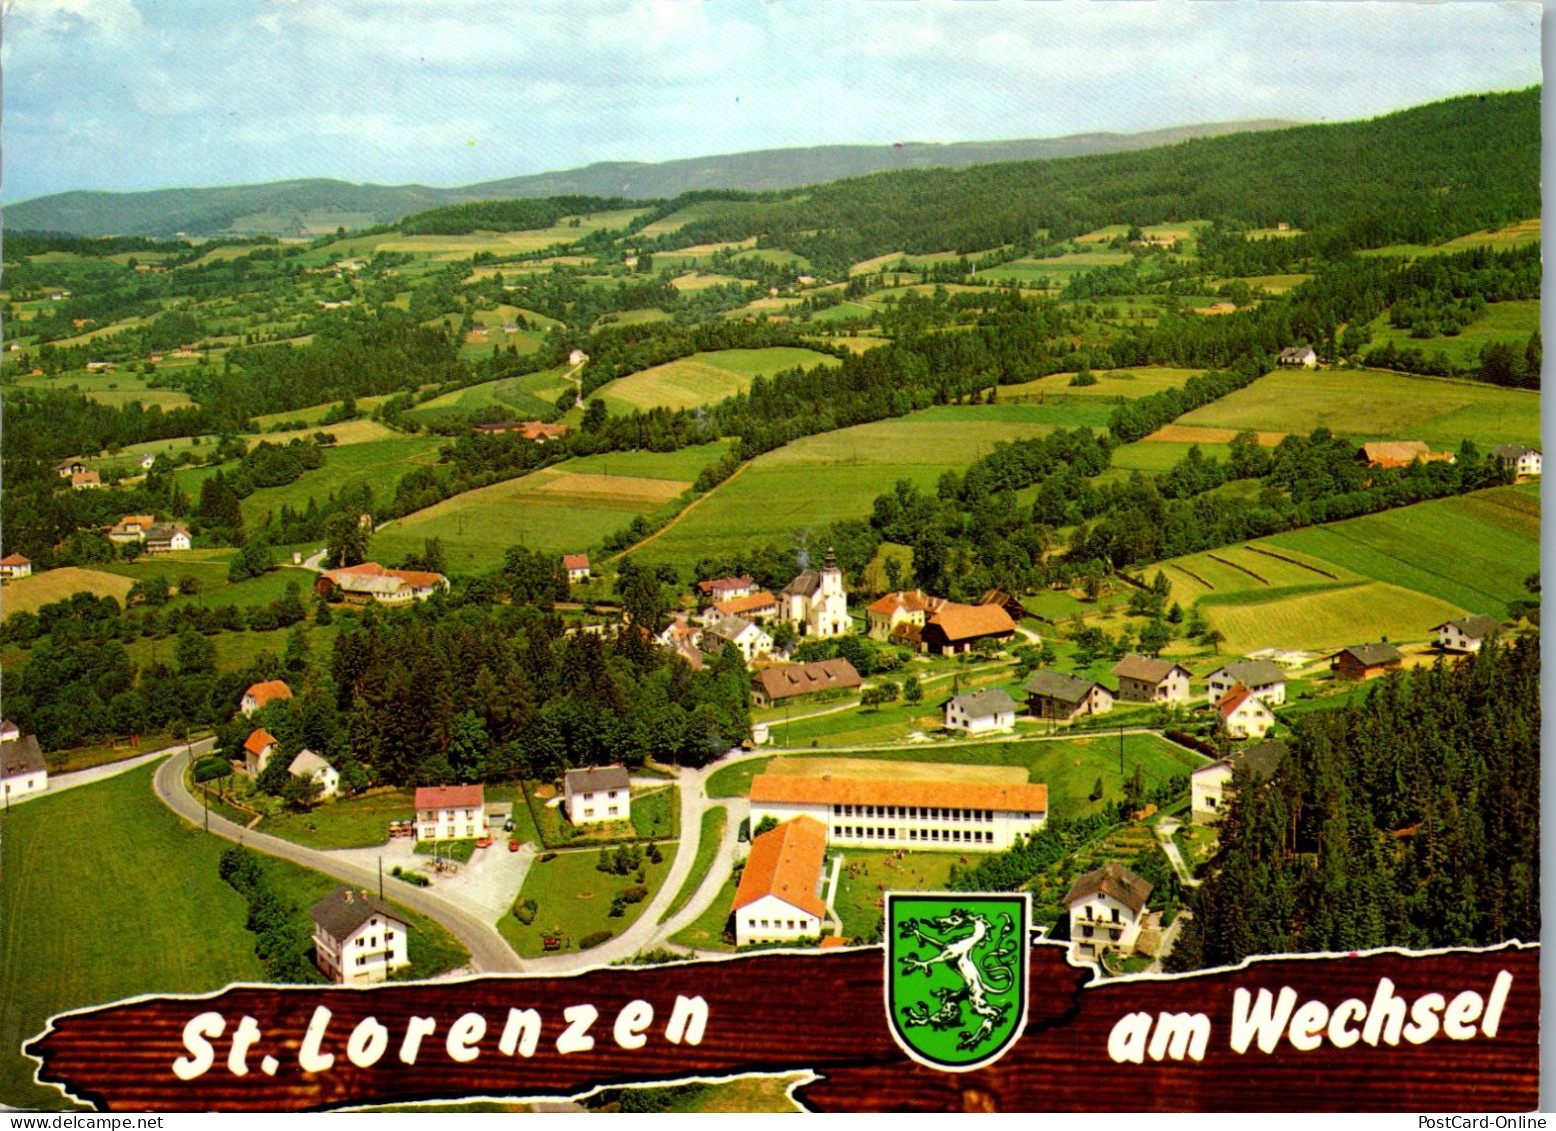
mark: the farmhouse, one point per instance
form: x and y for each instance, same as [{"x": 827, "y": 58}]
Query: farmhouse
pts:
[
  {"x": 450, "y": 812},
  {"x": 923, "y": 806},
  {"x": 13, "y": 566},
  {"x": 816, "y": 603},
  {"x": 1466, "y": 634},
  {"x": 1364, "y": 661},
  {"x": 1523, "y": 461},
  {"x": 359, "y": 584},
  {"x": 784, "y": 682},
  {"x": 1262, "y": 677},
  {"x": 85, "y": 481},
  {"x": 1210, "y": 786},
  {"x": 531, "y": 429},
  {"x": 68, "y": 467},
  {"x": 758, "y": 606},
  {"x": 1243, "y": 714},
  {"x": 748, "y": 639},
  {"x": 131, "y": 528},
  {"x": 577, "y": 566},
  {"x": 1401, "y": 453},
  {"x": 600, "y": 794},
  {"x": 167, "y": 538},
  {"x": 1299, "y": 355},
  {"x": 1145, "y": 680},
  {"x": 357, "y": 939},
  {"x": 1107, "y": 906},
  {"x": 1014, "y": 609},
  {"x": 906, "y": 606},
  {"x": 148, "y": 459},
  {"x": 261, "y": 693},
  {"x": 727, "y": 588},
  {"x": 22, "y": 768},
  {"x": 957, "y": 628},
  {"x": 776, "y": 900},
  {"x": 1063, "y": 698},
  {"x": 981, "y": 712},
  {"x": 257, "y": 749},
  {"x": 307, "y": 764}
]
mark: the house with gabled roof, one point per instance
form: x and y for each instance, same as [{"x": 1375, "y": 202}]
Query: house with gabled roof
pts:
[
  {"x": 601, "y": 793},
  {"x": 1144, "y": 679},
  {"x": 370, "y": 581},
  {"x": 981, "y": 712},
  {"x": 1107, "y": 908},
  {"x": 85, "y": 481},
  {"x": 357, "y": 939},
  {"x": 450, "y": 812},
  {"x": 726, "y": 588},
  {"x": 749, "y": 639},
  {"x": 1523, "y": 460},
  {"x": 13, "y": 566},
  {"x": 1466, "y": 634},
  {"x": 1210, "y": 787},
  {"x": 167, "y": 538},
  {"x": 1243, "y": 714},
  {"x": 906, "y": 606},
  {"x": 577, "y": 566},
  {"x": 958, "y": 628},
  {"x": 1263, "y": 677},
  {"x": 23, "y": 770},
  {"x": 1365, "y": 661},
  {"x": 1305, "y": 356},
  {"x": 778, "y": 898},
  {"x": 1058, "y": 697},
  {"x": 131, "y": 528},
  {"x": 307, "y": 764},
  {"x": 261, "y": 693},
  {"x": 65, "y": 468},
  {"x": 257, "y": 749},
  {"x": 783, "y": 682},
  {"x": 759, "y": 606}
]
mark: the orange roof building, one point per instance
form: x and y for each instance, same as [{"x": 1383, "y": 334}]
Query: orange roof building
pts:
[
  {"x": 370, "y": 581},
  {"x": 956, "y": 628},
  {"x": 261, "y": 693},
  {"x": 777, "y": 900},
  {"x": 905, "y": 804},
  {"x": 257, "y": 749},
  {"x": 450, "y": 812},
  {"x": 1401, "y": 453},
  {"x": 758, "y": 606}
]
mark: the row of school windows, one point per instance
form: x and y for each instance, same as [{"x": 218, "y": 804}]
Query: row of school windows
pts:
[
  {"x": 777, "y": 924},
  {"x": 945, "y": 836},
  {"x": 913, "y": 812}
]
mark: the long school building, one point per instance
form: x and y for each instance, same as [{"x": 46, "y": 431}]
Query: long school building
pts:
[{"x": 905, "y": 813}]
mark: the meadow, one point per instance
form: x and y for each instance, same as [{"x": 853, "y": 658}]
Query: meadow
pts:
[
  {"x": 29, "y": 594},
  {"x": 1372, "y": 405},
  {"x": 1510, "y": 322},
  {"x": 1111, "y": 384},
  {"x": 574, "y": 899},
  {"x": 525, "y": 396},
  {"x": 703, "y": 378}
]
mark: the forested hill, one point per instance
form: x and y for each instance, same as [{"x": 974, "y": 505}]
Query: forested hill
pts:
[
  {"x": 307, "y": 207},
  {"x": 1413, "y": 177}
]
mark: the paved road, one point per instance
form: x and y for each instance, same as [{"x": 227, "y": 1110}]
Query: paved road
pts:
[
  {"x": 58, "y": 783},
  {"x": 1164, "y": 830},
  {"x": 489, "y": 951}
]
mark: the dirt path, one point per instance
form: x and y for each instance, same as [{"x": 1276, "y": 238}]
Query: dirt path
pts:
[{"x": 671, "y": 525}]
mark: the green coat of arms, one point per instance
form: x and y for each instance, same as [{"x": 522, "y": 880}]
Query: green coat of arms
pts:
[{"x": 956, "y": 975}]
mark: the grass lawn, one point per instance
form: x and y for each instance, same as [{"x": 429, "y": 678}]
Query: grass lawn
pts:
[
  {"x": 704, "y": 377},
  {"x": 354, "y": 822},
  {"x": 236, "y": 650},
  {"x": 713, "y": 822},
  {"x": 706, "y": 932},
  {"x": 1111, "y": 384},
  {"x": 867, "y": 875},
  {"x": 575, "y": 899},
  {"x": 658, "y": 814},
  {"x": 1159, "y": 455},
  {"x": 1372, "y": 405},
  {"x": 160, "y": 919},
  {"x": 85, "y": 757}
]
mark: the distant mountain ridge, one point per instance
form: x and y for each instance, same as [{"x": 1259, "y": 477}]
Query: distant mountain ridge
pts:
[{"x": 314, "y": 206}]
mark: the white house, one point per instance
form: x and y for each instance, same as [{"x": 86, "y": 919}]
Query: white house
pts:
[
  {"x": 981, "y": 712},
  {"x": 357, "y": 939},
  {"x": 816, "y": 603},
  {"x": 147, "y": 460},
  {"x": 85, "y": 481},
  {"x": 1263, "y": 677},
  {"x": 450, "y": 812},
  {"x": 1299, "y": 355},
  {"x": 307, "y": 764},
  {"x": 750, "y": 640},
  {"x": 13, "y": 566},
  {"x": 778, "y": 900},
  {"x": 261, "y": 693},
  {"x": 1243, "y": 714},
  {"x": 22, "y": 769},
  {"x": 1142, "y": 679},
  {"x": 600, "y": 794},
  {"x": 1106, "y": 906},
  {"x": 906, "y": 606},
  {"x": 577, "y": 566},
  {"x": 920, "y": 805},
  {"x": 1466, "y": 634},
  {"x": 167, "y": 538},
  {"x": 1211, "y": 786},
  {"x": 727, "y": 588},
  {"x": 1523, "y": 461},
  {"x": 257, "y": 749},
  {"x": 131, "y": 528}
]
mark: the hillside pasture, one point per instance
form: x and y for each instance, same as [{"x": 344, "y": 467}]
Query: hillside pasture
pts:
[
  {"x": 1510, "y": 322},
  {"x": 704, "y": 378},
  {"x": 1158, "y": 456},
  {"x": 528, "y": 395},
  {"x": 29, "y": 594},
  {"x": 1324, "y": 616},
  {"x": 1373, "y": 405},
  {"x": 1111, "y": 384}
]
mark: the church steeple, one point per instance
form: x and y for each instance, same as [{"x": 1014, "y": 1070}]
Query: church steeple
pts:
[{"x": 831, "y": 559}]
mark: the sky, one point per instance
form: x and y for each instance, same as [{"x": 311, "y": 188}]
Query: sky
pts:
[{"x": 126, "y": 95}]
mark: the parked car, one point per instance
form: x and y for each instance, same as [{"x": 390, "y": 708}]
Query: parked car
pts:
[{"x": 513, "y": 844}]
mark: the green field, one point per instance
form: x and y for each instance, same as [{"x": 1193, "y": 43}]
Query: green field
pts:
[
  {"x": 1160, "y": 455},
  {"x": 101, "y": 921},
  {"x": 567, "y": 508},
  {"x": 860, "y": 901},
  {"x": 575, "y": 899},
  {"x": 1510, "y": 322},
  {"x": 29, "y": 594},
  {"x": 706, "y": 932},
  {"x": 1111, "y": 383},
  {"x": 529, "y": 395},
  {"x": 1371, "y": 405},
  {"x": 704, "y": 378},
  {"x": 838, "y": 474}
]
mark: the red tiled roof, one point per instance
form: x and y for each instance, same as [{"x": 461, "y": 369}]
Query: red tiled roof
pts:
[
  {"x": 575, "y": 561},
  {"x": 724, "y": 584},
  {"x": 786, "y": 862},
  {"x": 1233, "y": 699},
  {"x": 263, "y": 693},
  {"x": 965, "y": 622},
  {"x": 736, "y": 606},
  {"x": 450, "y": 796},
  {"x": 257, "y": 742},
  {"x": 15, "y": 559},
  {"x": 908, "y": 600},
  {"x": 1022, "y": 797}
]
